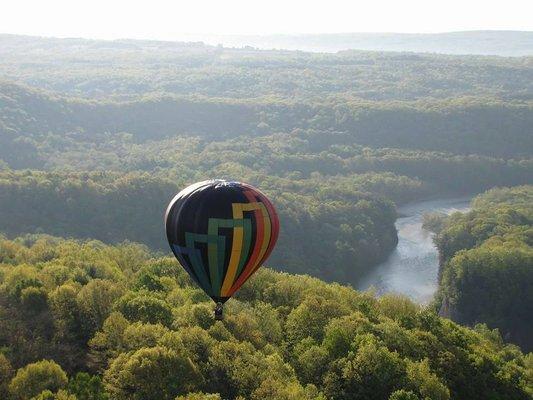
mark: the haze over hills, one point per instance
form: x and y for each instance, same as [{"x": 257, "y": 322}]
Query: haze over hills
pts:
[
  {"x": 133, "y": 68},
  {"x": 502, "y": 43}
]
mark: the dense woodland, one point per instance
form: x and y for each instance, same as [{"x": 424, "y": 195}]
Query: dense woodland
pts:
[
  {"x": 486, "y": 264},
  {"x": 336, "y": 139},
  {"x": 84, "y": 320},
  {"x": 350, "y": 229},
  {"x": 96, "y": 137},
  {"x": 127, "y": 68}
]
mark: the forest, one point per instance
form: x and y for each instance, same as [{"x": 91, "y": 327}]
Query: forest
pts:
[
  {"x": 84, "y": 320},
  {"x": 103, "y": 163},
  {"x": 97, "y": 136},
  {"x": 486, "y": 258}
]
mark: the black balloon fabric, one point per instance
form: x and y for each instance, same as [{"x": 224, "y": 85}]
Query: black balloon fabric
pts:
[{"x": 221, "y": 232}]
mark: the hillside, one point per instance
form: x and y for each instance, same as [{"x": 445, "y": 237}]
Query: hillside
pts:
[
  {"x": 486, "y": 264},
  {"x": 124, "y": 68},
  {"x": 121, "y": 323},
  {"x": 111, "y": 129},
  {"x": 460, "y": 126},
  {"x": 352, "y": 230}
]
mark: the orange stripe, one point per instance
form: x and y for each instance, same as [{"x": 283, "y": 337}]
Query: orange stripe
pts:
[
  {"x": 274, "y": 231},
  {"x": 255, "y": 258},
  {"x": 273, "y": 236}
]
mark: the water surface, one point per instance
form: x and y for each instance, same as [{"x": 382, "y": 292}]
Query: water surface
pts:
[{"x": 413, "y": 266}]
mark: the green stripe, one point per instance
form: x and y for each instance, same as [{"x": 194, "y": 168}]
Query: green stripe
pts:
[
  {"x": 216, "y": 253},
  {"x": 196, "y": 261},
  {"x": 214, "y": 242}
]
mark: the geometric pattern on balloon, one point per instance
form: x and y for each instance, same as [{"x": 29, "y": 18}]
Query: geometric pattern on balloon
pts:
[{"x": 224, "y": 283}]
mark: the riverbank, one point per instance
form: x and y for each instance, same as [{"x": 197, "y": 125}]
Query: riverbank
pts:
[{"x": 412, "y": 268}]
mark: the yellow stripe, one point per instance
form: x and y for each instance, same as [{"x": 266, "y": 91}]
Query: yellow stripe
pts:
[
  {"x": 236, "y": 245},
  {"x": 236, "y": 248},
  {"x": 266, "y": 239}
]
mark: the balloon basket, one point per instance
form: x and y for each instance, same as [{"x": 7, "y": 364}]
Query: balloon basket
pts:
[{"x": 219, "y": 309}]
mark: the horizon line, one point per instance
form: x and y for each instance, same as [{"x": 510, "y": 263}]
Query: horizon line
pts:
[{"x": 295, "y": 34}]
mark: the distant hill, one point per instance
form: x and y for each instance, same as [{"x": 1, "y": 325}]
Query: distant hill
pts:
[
  {"x": 463, "y": 126},
  {"x": 495, "y": 43},
  {"x": 502, "y": 43}
]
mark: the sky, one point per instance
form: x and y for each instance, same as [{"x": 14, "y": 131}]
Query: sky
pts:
[{"x": 172, "y": 20}]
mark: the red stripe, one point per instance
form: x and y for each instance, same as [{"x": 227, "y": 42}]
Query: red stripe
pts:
[{"x": 274, "y": 221}]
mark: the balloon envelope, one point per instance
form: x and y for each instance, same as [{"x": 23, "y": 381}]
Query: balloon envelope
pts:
[{"x": 221, "y": 232}]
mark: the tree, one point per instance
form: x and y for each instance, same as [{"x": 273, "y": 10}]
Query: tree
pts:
[
  {"x": 87, "y": 387},
  {"x": 155, "y": 373},
  {"x": 60, "y": 395},
  {"x": 403, "y": 395},
  {"x": 311, "y": 361},
  {"x": 200, "y": 396},
  {"x": 6, "y": 372},
  {"x": 109, "y": 342},
  {"x": 235, "y": 369},
  {"x": 194, "y": 340},
  {"x": 37, "y": 377},
  {"x": 310, "y": 316},
  {"x": 145, "y": 308},
  {"x": 340, "y": 333},
  {"x": 427, "y": 384},
  {"x": 95, "y": 301},
  {"x": 66, "y": 313},
  {"x": 274, "y": 389},
  {"x": 34, "y": 299},
  {"x": 486, "y": 256},
  {"x": 139, "y": 335},
  {"x": 371, "y": 373}
]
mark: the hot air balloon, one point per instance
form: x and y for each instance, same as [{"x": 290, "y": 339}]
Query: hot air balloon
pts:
[{"x": 221, "y": 232}]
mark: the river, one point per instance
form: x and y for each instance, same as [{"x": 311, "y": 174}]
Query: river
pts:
[{"x": 412, "y": 268}]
